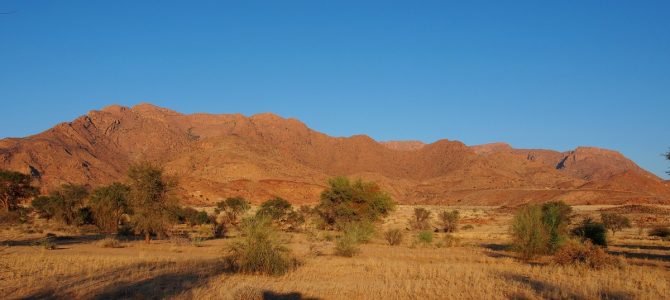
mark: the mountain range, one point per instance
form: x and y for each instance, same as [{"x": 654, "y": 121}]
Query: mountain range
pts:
[{"x": 215, "y": 156}]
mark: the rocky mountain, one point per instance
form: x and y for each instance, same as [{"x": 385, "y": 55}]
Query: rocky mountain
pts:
[{"x": 257, "y": 157}]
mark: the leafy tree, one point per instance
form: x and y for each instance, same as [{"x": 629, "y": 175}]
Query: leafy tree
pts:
[
  {"x": 345, "y": 202},
  {"x": 45, "y": 206},
  {"x": 421, "y": 218},
  {"x": 275, "y": 209},
  {"x": 233, "y": 208},
  {"x": 151, "y": 200},
  {"x": 615, "y": 222},
  {"x": 202, "y": 218},
  {"x": 450, "y": 220},
  {"x": 63, "y": 204},
  {"x": 14, "y": 187},
  {"x": 108, "y": 205}
]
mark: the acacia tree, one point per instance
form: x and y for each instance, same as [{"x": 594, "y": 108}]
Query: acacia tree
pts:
[
  {"x": 63, "y": 204},
  {"x": 345, "y": 202},
  {"x": 233, "y": 208},
  {"x": 151, "y": 200},
  {"x": 615, "y": 222},
  {"x": 14, "y": 187},
  {"x": 450, "y": 220},
  {"x": 108, "y": 204}
]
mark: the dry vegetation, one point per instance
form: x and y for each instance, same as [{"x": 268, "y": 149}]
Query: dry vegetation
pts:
[{"x": 479, "y": 266}]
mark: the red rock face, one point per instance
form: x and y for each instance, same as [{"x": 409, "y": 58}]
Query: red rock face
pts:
[{"x": 262, "y": 156}]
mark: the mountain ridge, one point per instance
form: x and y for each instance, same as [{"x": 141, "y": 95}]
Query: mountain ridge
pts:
[{"x": 266, "y": 155}]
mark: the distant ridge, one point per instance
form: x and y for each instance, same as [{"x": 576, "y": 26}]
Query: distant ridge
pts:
[{"x": 265, "y": 155}]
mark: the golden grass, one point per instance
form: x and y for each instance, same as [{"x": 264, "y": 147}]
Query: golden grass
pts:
[{"x": 472, "y": 271}]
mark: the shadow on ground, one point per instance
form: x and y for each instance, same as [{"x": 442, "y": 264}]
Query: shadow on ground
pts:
[{"x": 549, "y": 291}]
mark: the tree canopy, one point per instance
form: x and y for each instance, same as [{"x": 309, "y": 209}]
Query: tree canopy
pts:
[
  {"x": 14, "y": 187},
  {"x": 345, "y": 201}
]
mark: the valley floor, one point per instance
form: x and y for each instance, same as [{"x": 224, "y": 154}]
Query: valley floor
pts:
[{"x": 479, "y": 266}]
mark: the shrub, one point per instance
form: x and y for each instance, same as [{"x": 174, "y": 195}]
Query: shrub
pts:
[
  {"x": 421, "y": 219},
  {"x": 360, "y": 232},
  {"x": 394, "y": 236},
  {"x": 48, "y": 242},
  {"x": 345, "y": 202},
  {"x": 346, "y": 246},
  {"x": 556, "y": 218},
  {"x": 84, "y": 216},
  {"x": 662, "y": 232},
  {"x": 468, "y": 227},
  {"x": 197, "y": 241},
  {"x": 275, "y": 209},
  {"x": 295, "y": 220},
  {"x": 587, "y": 254},
  {"x": 592, "y": 231},
  {"x": 259, "y": 251},
  {"x": 425, "y": 237},
  {"x": 188, "y": 215},
  {"x": 528, "y": 232},
  {"x": 233, "y": 207},
  {"x": 449, "y": 220},
  {"x": 109, "y": 242},
  {"x": 615, "y": 222}
]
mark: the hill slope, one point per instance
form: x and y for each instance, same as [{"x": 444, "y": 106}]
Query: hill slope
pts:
[{"x": 217, "y": 156}]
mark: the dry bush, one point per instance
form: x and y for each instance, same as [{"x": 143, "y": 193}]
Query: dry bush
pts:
[
  {"x": 393, "y": 236},
  {"x": 449, "y": 220},
  {"x": 421, "y": 219},
  {"x": 451, "y": 241},
  {"x": 259, "y": 251},
  {"x": 586, "y": 254},
  {"x": 346, "y": 246},
  {"x": 109, "y": 242}
]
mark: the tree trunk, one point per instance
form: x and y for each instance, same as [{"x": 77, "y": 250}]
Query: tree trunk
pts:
[{"x": 147, "y": 237}]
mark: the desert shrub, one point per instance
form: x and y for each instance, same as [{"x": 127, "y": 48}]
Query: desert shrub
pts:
[
  {"x": 615, "y": 222},
  {"x": 108, "y": 204},
  {"x": 233, "y": 208},
  {"x": 14, "y": 187},
  {"x": 393, "y": 236},
  {"x": 345, "y": 202},
  {"x": 275, "y": 209},
  {"x": 346, "y": 246},
  {"x": 259, "y": 251},
  {"x": 109, "y": 242},
  {"x": 556, "y": 218},
  {"x": 152, "y": 202},
  {"x": 295, "y": 219},
  {"x": 202, "y": 218},
  {"x": 587, "y": 254},
  {"x": 592, "y": 231},
  {"x": 360, "y": 232},
  {"x": 451, "y": 241},
  {"x": 425, "y": 237},
  {"x": 197, "y": 241},
  {"x": 529, "y": 234},
  {"x": 421, "y": 219},
  {"x": 84, "y": 216},
  {"x": 659, "y": 231},
  {"x": 188, "y": 215},
  {"x": 468, "y": 227},
  {"x": 449, "y": 220}
]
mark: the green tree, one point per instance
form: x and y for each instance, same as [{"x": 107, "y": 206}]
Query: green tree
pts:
[
  {"x": 275, "y": 209},
  {"x": 345, "y": 202},
  {"x": 64, "y": 204},
  {"x": 233, "y": 208},
  {"x": 592, "y": 231},
  {"x": 615, "y": 222},
  {"x": 151, "y": 200},
  {"x": 45, "y": 206},
  {"x": 14, "y": 187},
  {"x": 108, "y": 205}
]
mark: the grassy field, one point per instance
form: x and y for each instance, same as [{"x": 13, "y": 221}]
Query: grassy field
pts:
[{"x": 478, "y": 266}]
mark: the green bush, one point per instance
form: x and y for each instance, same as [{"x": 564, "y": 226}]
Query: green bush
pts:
[
  {"x": 233, "y": 208},
  {"x": 393, "y": 236},
  {"x": 556, "y": 218},
  {"x": 529, "y": 234},
  {"x": 592, "y": 231},
  {"x": 662, "y": 232},
  {"x": 345, "y": 202},
  {"x": 275, "y": 209},
  {"x": 346, "y": 246},
  {"x": 259, "y": 250},
  {"x": 425, "y": 237}
]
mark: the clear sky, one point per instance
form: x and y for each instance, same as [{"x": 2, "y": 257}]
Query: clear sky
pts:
[{"x": 535, "y": 74}]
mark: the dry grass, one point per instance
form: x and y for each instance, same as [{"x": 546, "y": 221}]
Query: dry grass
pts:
[{"x": 479, "y": 268}]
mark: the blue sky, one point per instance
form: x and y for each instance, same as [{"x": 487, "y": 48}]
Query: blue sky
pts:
[{"x": 535, "y": 74}]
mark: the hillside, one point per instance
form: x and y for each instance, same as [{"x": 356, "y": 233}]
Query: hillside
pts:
[{"x": 217, "y": 156}]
